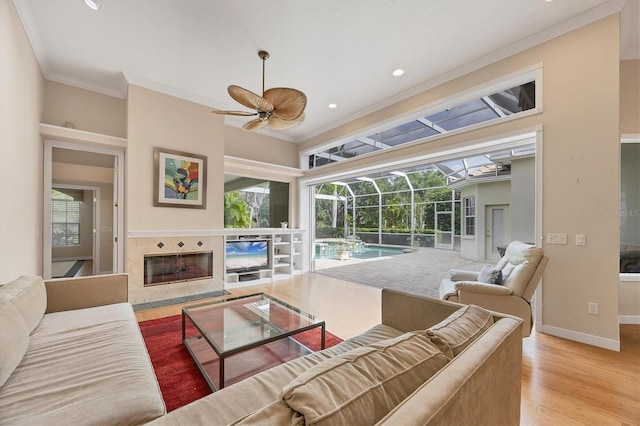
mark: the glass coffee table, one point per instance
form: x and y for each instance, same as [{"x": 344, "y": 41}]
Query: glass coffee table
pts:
[{"x": 235, "y": 338}]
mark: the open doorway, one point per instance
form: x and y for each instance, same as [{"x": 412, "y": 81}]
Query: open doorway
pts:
[
  {"x": 75, "y": 244},
  {"x": 81, "y": 210}
]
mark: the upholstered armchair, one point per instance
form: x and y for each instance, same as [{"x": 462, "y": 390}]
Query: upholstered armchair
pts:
[{"x": 515, "y": 278}]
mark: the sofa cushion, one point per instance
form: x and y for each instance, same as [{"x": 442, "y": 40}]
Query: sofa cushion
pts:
[
  {"x": 276, "y": 413},
  {"x": 253, "y": 394},
  {"x": 14, "y": 339},
  {"x": 85, "y": 373},
  {"x": 366, "y": 383},
  {"x": 462, "y": 327},
  {"x": 29, "y": 295}
]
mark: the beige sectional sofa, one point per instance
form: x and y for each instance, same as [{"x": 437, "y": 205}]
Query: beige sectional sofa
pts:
[
  {"x": 72, "y": 354},
  {"x": 428, "y": 362}
]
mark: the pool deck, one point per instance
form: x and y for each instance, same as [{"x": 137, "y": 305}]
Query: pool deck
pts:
[{"x": 419, "y": 272}]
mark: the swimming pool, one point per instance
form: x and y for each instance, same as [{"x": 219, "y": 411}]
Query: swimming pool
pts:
[{"x": 360, "y": 251}]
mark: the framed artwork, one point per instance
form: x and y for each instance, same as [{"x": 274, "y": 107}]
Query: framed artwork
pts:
[{"x": 180, "y": 179}]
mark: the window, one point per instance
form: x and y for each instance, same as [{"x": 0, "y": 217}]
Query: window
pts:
[
  {"x": 65, "y": 217},
  {"x": 470, "y": 216},
  {"x": 486, "y": 107}
]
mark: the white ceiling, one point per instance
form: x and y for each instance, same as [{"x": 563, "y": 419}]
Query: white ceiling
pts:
[{"x": 336, "y": 51}]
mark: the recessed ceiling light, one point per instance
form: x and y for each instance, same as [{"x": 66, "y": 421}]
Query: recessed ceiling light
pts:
[
  {"x": 398, "y": 72},
  {"x": 93, "y": 4},
  {"x": 333, "y": 106}
]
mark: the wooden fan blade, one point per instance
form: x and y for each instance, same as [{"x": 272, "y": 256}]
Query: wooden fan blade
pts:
[
  {"x": 288, "y": 103},
  {"x": 249, "y": 99},
  {"x": 277, "y": 123},
  {"x": 254, "y": 125},
  {"x": 241, "y": 113}
]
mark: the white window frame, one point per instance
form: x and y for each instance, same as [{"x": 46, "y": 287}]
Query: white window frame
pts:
[
  {"x": 466, "y": 215},
  {"x": 66, "y": 223}
]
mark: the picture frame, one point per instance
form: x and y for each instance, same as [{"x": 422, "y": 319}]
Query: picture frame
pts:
[{"x": 179, "y": 179}]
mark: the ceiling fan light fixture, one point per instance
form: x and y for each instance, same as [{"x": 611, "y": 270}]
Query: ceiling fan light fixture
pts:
[
  {"x": 93, "y": 4},
  {"x": 279, "y": 107}
]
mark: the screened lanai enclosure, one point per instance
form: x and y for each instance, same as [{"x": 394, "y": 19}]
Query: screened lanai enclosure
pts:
[
  {"x": 405, "y": 209},
  {"x": 416, "y": 207},
  {"x": 430, "y": 205}
]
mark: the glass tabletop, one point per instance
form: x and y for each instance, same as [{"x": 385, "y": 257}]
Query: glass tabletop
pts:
[{"x": 233, "y": 323}]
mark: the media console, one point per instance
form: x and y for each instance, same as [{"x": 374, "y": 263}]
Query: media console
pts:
[{"x": 259, "y": 256}]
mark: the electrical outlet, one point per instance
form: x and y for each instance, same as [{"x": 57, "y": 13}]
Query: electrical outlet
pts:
[
  {"x": 592, "y": 308},
  {"x": 557, "y": 238}
]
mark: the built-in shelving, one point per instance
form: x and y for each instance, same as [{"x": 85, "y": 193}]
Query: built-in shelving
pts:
[{"x": 285, "y": 254}]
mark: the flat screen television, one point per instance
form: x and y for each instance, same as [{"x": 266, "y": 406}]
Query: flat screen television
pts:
[{"x": 247, "y": 255}]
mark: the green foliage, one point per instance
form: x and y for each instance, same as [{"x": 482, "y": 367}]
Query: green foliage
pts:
[
  {"x": 430, "y": 195},
  {"x": 329, "y": 232},
  {"x": 236, "y": 212}
]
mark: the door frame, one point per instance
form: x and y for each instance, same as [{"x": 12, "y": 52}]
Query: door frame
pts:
[
  {"x": 95, "y": 214},
  {"x": 80, "y": 144}
]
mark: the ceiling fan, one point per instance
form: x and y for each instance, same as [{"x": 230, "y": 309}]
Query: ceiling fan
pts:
[{"x": 280, "y": 108}]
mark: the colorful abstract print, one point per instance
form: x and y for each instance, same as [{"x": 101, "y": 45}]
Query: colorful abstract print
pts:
[{"x": 180, "y": 179}]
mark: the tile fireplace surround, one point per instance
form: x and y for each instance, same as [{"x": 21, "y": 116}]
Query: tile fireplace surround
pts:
[{"x": 139, "y": 246}]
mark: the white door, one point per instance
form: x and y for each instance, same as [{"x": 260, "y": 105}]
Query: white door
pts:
[{"x": 497, "y": 230}]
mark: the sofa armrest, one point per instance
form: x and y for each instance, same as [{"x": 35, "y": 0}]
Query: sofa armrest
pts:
[
  {"x": 461, "y": 275},
  {"x": 482, "y": 288},
  {"x": 66, "y": 294},
  {"x": 408, "y": 312}
]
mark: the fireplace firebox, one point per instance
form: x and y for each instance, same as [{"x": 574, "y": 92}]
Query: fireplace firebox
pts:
[{"x": 177, "y": 267}]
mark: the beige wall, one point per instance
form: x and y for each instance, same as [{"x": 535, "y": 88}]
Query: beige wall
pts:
[
  {"x": 580, "y": 134},
  {"x": 21, "y": 94},
  {"x": 158, "y": 120},
  {"x": 257, "y": 147},
  {"x": 630, "y": 96},
  {"x": 87, "y": 110}
]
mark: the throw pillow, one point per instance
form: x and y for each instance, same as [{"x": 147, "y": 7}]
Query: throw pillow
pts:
[
  {"x": 29, "y": 295},
  {"x": 489, "y": 275},
  {"x": 14, "y": 338},
  {"x": 462, "y": 327},
  {"x": 363, "y": 385}
]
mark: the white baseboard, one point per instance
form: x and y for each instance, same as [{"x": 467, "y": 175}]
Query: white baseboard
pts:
[
  {"x": 629, "y": 319},
  {"x": 589, "y": 339}
]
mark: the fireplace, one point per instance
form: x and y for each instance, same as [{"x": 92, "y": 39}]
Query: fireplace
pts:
[{"x": 177, "y": 267}]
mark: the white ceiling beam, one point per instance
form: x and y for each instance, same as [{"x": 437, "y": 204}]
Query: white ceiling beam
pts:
[
  {"x": 493, "y": 106},
  {"x": 433, "y": 125}
]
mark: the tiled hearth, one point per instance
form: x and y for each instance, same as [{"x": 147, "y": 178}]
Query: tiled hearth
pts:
[{"x": 138, "y": 247}]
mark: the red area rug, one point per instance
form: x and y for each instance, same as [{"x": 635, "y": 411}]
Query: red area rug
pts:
[{"x": 179, "y": 378}]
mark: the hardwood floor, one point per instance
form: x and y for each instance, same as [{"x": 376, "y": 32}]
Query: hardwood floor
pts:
[{"x": 563, "y": 382}]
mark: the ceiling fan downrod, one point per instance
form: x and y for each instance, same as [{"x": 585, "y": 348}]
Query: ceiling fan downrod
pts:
[{"x": 264, "y": 55}]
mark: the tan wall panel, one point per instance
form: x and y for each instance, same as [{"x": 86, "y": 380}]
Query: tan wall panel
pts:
[
  {"x": 157, "y": 120},
  {"x": 630, "y": 97},
  {"x": 21, "y": 99},
  {"x": 581, "y": 126},
  {"x": 257, "y": 147},
  {"x": 87, "y": 110}
]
